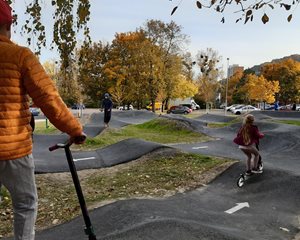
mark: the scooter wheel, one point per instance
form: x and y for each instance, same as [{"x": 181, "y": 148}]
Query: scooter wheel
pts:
[
  {"x": 261, "y": 166},
  {"x": 241, "y": 181}
]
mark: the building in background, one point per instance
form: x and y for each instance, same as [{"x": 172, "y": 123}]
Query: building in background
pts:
[{"x": 232, "y": 69}]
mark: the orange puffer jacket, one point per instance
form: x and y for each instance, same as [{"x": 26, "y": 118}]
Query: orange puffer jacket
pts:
[{"x": 21, "y": 74}]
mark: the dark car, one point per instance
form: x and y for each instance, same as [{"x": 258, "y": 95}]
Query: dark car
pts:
[
  {"x": 190, "y": 106},
  {"x": 271, "y": 107},
  {"x": 35, "y": 111},
  {"x": 179, "y": 110}
]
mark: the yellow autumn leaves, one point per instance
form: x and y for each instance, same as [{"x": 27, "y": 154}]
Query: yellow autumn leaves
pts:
[{"x": 258, "y": 88}]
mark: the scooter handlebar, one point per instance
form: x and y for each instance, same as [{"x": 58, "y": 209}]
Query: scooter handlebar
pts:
[
  {"x": 59, "y": 145},
  {"x": 76, "y": 140},
  {"x": 53, "y": 148}
]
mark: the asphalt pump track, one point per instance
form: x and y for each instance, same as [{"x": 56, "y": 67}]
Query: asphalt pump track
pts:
[{"x": 266, "y": 208}]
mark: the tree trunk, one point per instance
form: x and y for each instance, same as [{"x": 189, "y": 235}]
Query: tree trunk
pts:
[{"x": 153, "y": 105}]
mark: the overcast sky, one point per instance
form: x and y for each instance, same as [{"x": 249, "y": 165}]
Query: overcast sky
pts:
[{"x": 246, "y": 45}]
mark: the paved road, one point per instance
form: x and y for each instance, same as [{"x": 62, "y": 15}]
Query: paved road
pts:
[{"x": 271, "y": 200}]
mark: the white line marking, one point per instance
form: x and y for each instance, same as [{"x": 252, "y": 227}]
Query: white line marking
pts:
[
  {"x": 200, "y": 147},
  {"x": 239, "y": 206},
  {"x": 82, "y": 159}
]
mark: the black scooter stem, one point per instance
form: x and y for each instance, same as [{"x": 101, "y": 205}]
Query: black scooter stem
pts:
[
  {"x": 89, "y": 228},
  {"x": 88, "y": 225}
]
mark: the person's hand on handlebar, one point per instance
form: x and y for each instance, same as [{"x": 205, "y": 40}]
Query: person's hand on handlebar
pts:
[{"x": 78, "y": 139}]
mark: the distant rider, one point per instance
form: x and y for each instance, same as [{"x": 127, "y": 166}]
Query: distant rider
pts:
[{"x": 107, "y": 105}]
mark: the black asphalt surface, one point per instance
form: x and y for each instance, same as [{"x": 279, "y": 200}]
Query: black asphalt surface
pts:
[
  {"x": 215, "y": 118},
  {"x": 273, "y": 197},
  {"x": 127, "y": 150},
  {"x": 119, "y": 119}
]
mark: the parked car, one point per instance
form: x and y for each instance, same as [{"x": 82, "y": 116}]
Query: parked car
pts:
[
  {"x": 35, "y": 111},
  {"x": 237, "y": 107},
  {"x": 223, "y": 105},
  {"x": 125, "y": 107},
  {"x": 179, "y": 110},
  {"x": 287, "y": 107},
  {"x": 231, "y": 106},
  {"x": 245, "y": 109},
  {"x": 190, "y": 106}
]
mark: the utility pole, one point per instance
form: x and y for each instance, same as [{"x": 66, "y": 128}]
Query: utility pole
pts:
[{"x": 226, "y": 93}]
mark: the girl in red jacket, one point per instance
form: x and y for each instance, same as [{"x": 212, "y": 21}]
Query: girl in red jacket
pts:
[{"x": 248, "y": 138}]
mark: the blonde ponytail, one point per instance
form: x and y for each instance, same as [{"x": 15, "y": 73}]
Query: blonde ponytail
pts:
[{"x": 245, "y": 131}]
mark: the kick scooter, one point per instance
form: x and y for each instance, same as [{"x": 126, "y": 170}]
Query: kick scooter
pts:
[
  {"x": 89, "y": 231},
  {"x": 243, "y": 177}
]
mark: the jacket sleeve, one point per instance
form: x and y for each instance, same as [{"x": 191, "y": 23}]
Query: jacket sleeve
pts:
[
  {"x": 43, "y": 92},
  {"x": 257, "y": 133},
  {"x": 239, "y": 138}
]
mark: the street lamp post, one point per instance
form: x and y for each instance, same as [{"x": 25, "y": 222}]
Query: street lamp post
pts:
[{"x": 226, "y": 93}]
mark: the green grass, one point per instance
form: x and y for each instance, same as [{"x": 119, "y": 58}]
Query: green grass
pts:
[
  {"x": 292, "y": 122},
  {"x": 153, "y": 177},
  {"x": 223, "y": 124},
  {"x": 158, "y": 130},
  {"x": 41, "y": 128},
  {"x": 218, "y": 124}
]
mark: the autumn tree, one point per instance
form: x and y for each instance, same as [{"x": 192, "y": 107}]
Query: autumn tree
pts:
[
  {"x": 208, "y": 83},
  {"x": 91, "y": 72},
  {"x": 237, "y": 95},
  {"x": 184, "y": 88},
  {"x": 187, "y": 66},
  {"x": 134, "y": 68},
  {"x": 287, "y": 72},
  {"x": 52, "y": 70},
  {"x": 116, "y": 68},
  {"x": 233, "y": 83},
  {"x": 259, "y": 89},
  {"x": 170, "y": 40},
  {"x": 68, "y": 85}
]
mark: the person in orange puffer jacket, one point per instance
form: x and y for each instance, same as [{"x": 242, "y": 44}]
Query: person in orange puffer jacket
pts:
[{"x": 21, "y": 74}]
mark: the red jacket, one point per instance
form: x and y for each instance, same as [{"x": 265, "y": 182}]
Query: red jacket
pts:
[{"x": 255, "y": 135}]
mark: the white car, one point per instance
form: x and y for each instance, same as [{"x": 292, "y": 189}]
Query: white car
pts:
[
  {"x": 245, "y": 109},
  {"x": 231, "y": 106},
  {"x": 237, "y": 107},
  {"x": 122, "y": 107}
]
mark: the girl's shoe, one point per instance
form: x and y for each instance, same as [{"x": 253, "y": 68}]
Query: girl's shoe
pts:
[
  {"x": 249, "y": 173},
  {"x": 256, "y": 170}
]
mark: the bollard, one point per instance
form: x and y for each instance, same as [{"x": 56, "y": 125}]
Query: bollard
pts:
[{"x": 47, "y": 125}]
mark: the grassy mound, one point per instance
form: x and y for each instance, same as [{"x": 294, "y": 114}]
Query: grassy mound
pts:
[{"x": 159, "y": 130}]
